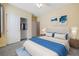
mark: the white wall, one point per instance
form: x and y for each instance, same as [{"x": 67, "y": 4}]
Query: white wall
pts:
[
  {"x": 20, "y": 13},
  {"x": 72, "y": 12}
]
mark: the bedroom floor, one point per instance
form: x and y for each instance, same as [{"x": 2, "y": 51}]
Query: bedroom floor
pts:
[
  {"x": 10, "y": 50},
  {"x": 73, "y": 52}
]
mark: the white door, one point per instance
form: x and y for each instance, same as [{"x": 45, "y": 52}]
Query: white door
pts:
[{"x": 13, "y": 28}]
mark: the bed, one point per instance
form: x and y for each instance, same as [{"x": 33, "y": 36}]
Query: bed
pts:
[{"x": 46, "y": 46}]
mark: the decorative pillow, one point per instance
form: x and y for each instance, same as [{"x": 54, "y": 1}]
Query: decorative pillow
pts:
[
  {"x": 61, "y": 35},
  {"x": 49, "y": 34}
]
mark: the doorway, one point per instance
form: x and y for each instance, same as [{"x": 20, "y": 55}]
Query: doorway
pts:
[{"x": 23, "y": 28}]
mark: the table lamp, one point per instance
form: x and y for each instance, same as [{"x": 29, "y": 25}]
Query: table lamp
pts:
[
  {"x": 44, "y": 30},
  {"x": 74, "y": 32}
]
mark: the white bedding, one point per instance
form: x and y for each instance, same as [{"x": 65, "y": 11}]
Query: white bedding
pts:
[
  {"x": 61, "y": 41},
  {"x": 37, "y": 50}
]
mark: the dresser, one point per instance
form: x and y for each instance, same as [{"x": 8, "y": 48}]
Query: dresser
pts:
[{"x": 74, "y": 43}]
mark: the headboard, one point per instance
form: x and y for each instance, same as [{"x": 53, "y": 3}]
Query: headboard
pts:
[{"x": 58, "y": 29}]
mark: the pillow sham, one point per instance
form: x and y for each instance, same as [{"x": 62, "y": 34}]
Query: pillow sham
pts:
[
  {"x": 61, "y": 36},
  {"x": 49, "y": 34}
]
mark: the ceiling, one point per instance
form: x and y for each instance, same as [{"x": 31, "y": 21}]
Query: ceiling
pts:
[{"x": 31, "y": 7}]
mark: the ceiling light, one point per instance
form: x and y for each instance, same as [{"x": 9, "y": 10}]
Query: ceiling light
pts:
[{"x": 39, "y": 5}]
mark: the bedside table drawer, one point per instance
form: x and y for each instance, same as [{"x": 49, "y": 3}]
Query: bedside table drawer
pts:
[{"x": 74, "y": 43}]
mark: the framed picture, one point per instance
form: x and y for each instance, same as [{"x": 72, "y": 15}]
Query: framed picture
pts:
[
  {"x": 60, "y": 21},
  {"x": 63, "y": 19},
  {"x": 54, "y": 20}
]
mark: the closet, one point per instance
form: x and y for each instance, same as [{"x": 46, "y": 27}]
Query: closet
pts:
[
  {"x": 13, "y": 28},
  {"x": 23, "y": 28}
]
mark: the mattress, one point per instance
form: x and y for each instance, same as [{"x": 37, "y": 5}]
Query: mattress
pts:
[{"x": 38, "y": 50}]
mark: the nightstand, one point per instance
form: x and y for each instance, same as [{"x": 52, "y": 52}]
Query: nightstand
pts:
[{"x": 74, "y": 43}]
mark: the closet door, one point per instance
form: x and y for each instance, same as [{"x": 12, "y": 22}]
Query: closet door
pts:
[
  {"x": 34, "y": 28},
  {"x": 13, "y": 28}
]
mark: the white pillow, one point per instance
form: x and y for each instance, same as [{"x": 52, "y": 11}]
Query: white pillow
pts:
[
  {"x": 49, "y": 34},
  {"x": 60, "y": 35}
]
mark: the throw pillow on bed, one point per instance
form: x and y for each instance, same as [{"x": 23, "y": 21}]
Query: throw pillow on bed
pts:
[{"x": 49, "y": 34}]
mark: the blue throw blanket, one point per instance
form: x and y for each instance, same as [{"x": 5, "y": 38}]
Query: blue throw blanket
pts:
[{"x": 58, "y": 48}]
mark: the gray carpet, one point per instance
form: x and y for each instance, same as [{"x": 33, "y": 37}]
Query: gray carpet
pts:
[
  {"x": 10, "y": 50},
  {"x": 73, "y": 52}
]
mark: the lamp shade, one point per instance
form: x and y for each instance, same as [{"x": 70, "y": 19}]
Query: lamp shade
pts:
[
  {"x": 74, "y": 32},
  {"x": 44, "y": 30}
]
